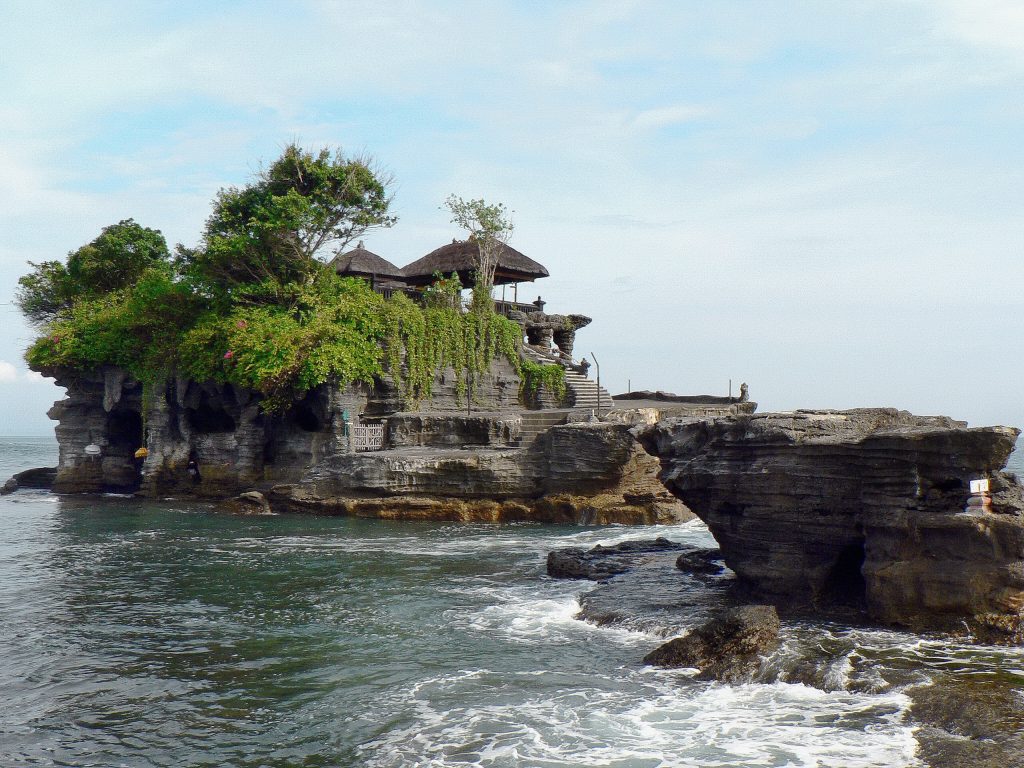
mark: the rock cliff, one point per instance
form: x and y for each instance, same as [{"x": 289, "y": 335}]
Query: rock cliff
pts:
[
  {"x": 440, "y": 462},
  {"x": 573, "y": 473},
  {"x": 864, "y": 507}
]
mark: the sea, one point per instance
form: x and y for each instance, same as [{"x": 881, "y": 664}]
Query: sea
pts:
[{"x": 163, "y": 633}]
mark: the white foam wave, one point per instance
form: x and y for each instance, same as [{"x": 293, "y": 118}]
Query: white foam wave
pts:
[
  {"x": 473, "y": 540},
  {"x": 630, "y": 723}
]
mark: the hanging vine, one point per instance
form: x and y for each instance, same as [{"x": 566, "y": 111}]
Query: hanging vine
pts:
[{"x": 423, "y": 341}]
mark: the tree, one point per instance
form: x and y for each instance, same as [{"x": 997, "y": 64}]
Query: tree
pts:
[
  {"x": 116, "y": 259},
  {"x": 490, "y": 227},
  {"x": 271, "y": 232}
]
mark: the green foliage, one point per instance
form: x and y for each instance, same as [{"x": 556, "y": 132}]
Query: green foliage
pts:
[
  {"x": 136, "y": 328},
  {"x": 535, "y": 375},
  {"x": 422, "y": 341},
  {"x": 253, "y": 306},
  {"x": 444, "y": 292},
  {"x": 45, "y": 293},
  {"x": 116, "y": 259},
  {"x": 490, "y": 227}
]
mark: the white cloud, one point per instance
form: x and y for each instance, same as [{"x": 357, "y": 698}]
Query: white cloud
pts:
[
  {"x": 37, "y": 378},
  {"x": 10, "y": 374},
  {"x": 994, "y": 24},
  {"x": 663, "y": 117}
]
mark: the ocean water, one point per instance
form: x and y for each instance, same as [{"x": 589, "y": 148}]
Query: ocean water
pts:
[{"x": 136, "y": 633}]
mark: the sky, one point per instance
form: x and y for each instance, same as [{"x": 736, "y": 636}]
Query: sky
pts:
[{"x": 824, "y": 200}]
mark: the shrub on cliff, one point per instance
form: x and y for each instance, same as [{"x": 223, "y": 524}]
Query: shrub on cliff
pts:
[{"x": 261, "y": 242}]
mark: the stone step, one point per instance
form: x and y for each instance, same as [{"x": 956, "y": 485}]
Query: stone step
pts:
[
  {"x": 586, "y": 395},
  {"x": 536, "y": 423}
]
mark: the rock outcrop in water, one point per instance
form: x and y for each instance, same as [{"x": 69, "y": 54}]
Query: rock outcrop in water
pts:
[
  {"x": 867, "y": 506},
  {"x": 39, "y": 477},
  {"x": 590, "y": 473},
  {"x": 727, "y": 648},
  {"x": 603, "y": 562}
]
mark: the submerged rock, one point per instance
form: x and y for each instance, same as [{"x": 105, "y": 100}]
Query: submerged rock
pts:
[
  {"x": 248, "y": 503},
  {"x": 862, "y": 507},
  {"x": 973, "y": 722},
  {"x": 602, "y": 562},
  {"x": 727, "y": 648},
  {"x": 701, "y": 562},
  {"x": 39, "y": 477}
]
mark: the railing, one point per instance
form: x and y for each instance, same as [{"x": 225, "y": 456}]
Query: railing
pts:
[
  {"x": 506, "y": 307},
  {"x": 368, "y": 437},
  {"x": 389, "y": 291}
]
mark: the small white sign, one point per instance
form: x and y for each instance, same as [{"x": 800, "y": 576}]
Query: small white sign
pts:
[{"x": 979, "y": 486}]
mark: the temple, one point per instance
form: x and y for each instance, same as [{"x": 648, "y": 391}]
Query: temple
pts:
[{"x": 525, "y": 430}]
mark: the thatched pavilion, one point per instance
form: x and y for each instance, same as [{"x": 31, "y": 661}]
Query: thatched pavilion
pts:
[
  {"x": 382, "y": 275},
  {"x": 460, "y": 257}
]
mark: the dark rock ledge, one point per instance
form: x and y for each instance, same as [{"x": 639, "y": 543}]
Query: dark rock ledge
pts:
[
  {"x": 40, "y": 477},
  {"x": 600, "y": 562}
]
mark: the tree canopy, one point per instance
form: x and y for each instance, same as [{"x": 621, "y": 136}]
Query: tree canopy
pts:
[
  {"x": 253, "y": 304},
  {"x": 490, "y": 226},
  {"x": 117, "y": 258},
  {"x": 264, "y": 239}
]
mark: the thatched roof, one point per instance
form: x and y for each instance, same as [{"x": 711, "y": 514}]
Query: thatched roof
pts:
[
  {"x": 363, "y": 263},
  {"x": 460, "y": 256}
]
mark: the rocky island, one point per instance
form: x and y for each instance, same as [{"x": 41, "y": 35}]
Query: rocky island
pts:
[{"x": 248, "y": 369}]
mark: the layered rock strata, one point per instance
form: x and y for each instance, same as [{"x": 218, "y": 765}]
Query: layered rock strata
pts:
[
  {"x": 443, "y": 463},
  {"x": 865, "y": 506},
  {"x": 573, "y": 473}
]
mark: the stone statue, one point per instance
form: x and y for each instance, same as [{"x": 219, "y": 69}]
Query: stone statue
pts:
[{"x": 744, "y": 394}]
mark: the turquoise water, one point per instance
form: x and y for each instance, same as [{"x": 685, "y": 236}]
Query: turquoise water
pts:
[{"x": 163, "y": 634}]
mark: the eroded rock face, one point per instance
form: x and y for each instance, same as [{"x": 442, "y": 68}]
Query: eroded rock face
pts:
[
  {"x": 583, "y": 473},
  {"x": 727, "y": 648},
  {"x": 817, "y": 507},
  {"x": 214, "y": 440},
  {"x": 102, "y": 410}
]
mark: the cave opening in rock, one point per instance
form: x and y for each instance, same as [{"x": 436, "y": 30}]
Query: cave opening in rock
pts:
[
  {"x": 124, "y": 432},
  {"x": 269, "y": 451},
  {"x": 124, "y": 437},
  {"x": 305, "y": 418},
  {"x": 206, "y": 419},
  {"x": 845, "y": 582}
]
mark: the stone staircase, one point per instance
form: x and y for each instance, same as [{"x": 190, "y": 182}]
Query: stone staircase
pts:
[
  {"x": 583, "y": 393},
  {"x": 536, "y": 423},
  {"x": 586, "y": 395}
]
